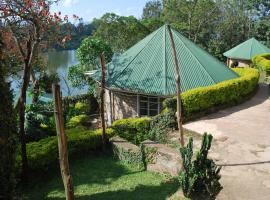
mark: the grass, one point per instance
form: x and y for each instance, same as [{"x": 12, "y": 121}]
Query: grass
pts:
[{"x": 103, "y": 178}]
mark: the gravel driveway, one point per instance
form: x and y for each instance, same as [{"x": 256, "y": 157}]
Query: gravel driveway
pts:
[{"x": 242, "y": 144}]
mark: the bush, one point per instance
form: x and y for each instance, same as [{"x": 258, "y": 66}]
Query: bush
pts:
[
  {"x": 79, "y": 120},
  {"x": 39, "y": 121},
  {"x": 79, "y": 104},
  {"x": 82, "y": 108},
  {"x": 43, "y": 155},
  {"x": 200, "y": 177},
  {"x": 46, "y": 81},
  {"x": 8, "y": 139},
  {"x": 206, "y": 99},
  {"x": 161, "y": 125},
  {"x": 262, "y": 62},
  {"x": 134, "y": 130}
]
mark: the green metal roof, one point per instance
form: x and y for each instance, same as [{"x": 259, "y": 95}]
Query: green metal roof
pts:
[
  {"x": 148, "y": 66},
  {"x": 247, "y": 50}
]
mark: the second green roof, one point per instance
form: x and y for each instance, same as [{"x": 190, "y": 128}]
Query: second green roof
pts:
[
  {"x": 247, "y": 50},
  {"x": 148, "y": 66}
]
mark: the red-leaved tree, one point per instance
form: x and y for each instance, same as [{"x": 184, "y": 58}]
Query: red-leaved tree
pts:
[{"x": 27, "y": 27}]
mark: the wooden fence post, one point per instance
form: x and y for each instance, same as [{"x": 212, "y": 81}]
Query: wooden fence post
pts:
[
  {"x": 102, "y": 92},
  {"x": 62, "y": 143},
  {"x": 178, "y": 89}
]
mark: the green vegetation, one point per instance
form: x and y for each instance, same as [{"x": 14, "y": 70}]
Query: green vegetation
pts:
[
  {"x": 119, "y": 31},
  {"x": 262, "y": 62},
  {"x": 43, "y": 154},
  {"x": 130, "y": 155},
  {"x": 8, "y": 137},
  {"x": 78, "y": 121},
  {"x": 103, "y": 178},
  {"x": 134, "y": 130},
  {"x": 39, "y": 121},
  {"x": 88, "y": 55},
  {"x": 203, "y": 100},
  {"x": 200, "y": 177}
]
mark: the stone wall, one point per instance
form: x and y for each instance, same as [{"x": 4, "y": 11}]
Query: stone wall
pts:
[
  {"x": 241, "y": 63},
  {"x": 151, "y": 156},
  {"x": 120, "y": 105}
]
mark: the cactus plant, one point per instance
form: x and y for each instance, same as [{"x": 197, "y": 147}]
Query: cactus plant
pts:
[{"x": 200, "y": 176}]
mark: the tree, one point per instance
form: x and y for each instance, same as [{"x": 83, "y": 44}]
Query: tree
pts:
[
  {"x": 8, "y": 136},
  {"x": 152, "y": 10},
  {"x": 196, "y": 19},
  {"x": 88, "y": 55},
  {"x": 28, "y": 24},
  {"x": 119, "y": 31}
]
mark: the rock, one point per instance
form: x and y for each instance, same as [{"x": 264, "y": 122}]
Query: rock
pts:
[
  {"x": 127, "y": 152},
  {"x": 161, "y": 158}
]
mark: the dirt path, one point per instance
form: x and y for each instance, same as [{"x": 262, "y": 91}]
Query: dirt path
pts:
[{"x": 242, "y": 143}]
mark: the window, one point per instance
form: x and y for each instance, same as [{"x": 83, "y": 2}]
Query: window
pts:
[{"x": 149, "y": 105}]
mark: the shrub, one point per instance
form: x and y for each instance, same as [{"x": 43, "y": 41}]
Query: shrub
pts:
[
  {"x": 79, "y": 120},
  {"x": 39, "y": 121},
  {"x": 206, "y": 99},
  {"x": 82, "y": 108},
  {"x": 43, "y": 155},
  {"x": 134, "y": 130},
  {"x": 79, "y": 104},
  {"x": 161, "y": 125},
  {"x": 8, "y": 139},
  {"x": 200, "y": 177},
  {"x": 46, "y": 81},
  {"x": 262, "y": 62}
]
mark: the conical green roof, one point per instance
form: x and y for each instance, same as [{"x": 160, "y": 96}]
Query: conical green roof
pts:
[
  {"x": 247, "y": 50},
  {"x": 148, "y": 66}
]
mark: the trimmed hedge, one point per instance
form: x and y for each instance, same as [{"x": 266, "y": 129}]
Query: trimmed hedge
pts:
[
  {"x": 262, "y": 62},
  {"x": 137, "y": 130},
  {"x": 134, "y": 130},
  {"x": 207, "y": 99},
  {"x": 43, "y": 155}
]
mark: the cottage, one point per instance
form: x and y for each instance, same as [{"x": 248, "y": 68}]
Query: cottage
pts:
[
  {"x": 142, "y": 77},
  {"x": 242, "y": 54}
]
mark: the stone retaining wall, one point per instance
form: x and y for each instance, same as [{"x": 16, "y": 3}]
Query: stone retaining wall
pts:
[{"x": 150, "y": 155}]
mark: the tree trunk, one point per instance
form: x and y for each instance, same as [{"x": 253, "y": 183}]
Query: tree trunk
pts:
[
  {"x": 36, "y": 91},
  {"x": 102, "y": 92},
  {"x": 62, "y": 143},
  {"x": 178, "y": 89},
  {"x": 21, "y": 106}
]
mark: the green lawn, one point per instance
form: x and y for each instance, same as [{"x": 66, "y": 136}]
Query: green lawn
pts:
[{"x": 104, "y": 178}]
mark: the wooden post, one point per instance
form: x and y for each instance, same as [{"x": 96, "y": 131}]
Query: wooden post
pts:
[
  {"x": 102, "y": 92},
  {"x": 178, "y": 89},
  {"x": 62, "y": 143}
]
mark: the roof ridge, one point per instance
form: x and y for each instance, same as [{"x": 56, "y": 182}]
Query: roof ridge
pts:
[
  {"x": 250, "y": 52},
  {"x": 200, "y": 64},
  {"x": 154, "y": 34},
  {"x": 165, "y": 61}
]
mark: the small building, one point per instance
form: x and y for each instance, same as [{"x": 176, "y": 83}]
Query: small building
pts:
[
  {"x": 243, "y": 53},
  {"x": 142, "y": 77}
]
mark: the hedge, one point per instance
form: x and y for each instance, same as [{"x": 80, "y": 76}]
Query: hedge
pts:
[
  {"x": 262, "y": 62},
  {"x": 204, "y": 100},
  {"x": 43, "y": 155},
  {"x": 137, "y": 130},
  {"x": 134, "y": 130}
]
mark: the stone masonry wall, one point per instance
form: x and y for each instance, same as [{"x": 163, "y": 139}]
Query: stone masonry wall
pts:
[{"x": 123, "y": 105}]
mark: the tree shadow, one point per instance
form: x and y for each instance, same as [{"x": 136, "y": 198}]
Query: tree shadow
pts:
[
  {"x": 140, "y": 192},
  {"x": 101, "y": 174}
]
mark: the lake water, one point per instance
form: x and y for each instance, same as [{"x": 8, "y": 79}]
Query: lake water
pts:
[{"x": 58, "y": 62}]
